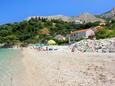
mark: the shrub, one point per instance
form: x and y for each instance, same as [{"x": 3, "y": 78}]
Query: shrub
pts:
[{"x": 104, "y": 33}]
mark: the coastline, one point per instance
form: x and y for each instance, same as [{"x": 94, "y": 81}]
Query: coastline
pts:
[{"x": 60, "y": 68}]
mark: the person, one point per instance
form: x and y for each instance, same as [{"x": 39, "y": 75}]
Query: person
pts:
[
  {"x": 73, "y": 49},
  {"x": 46, "y": 48}
]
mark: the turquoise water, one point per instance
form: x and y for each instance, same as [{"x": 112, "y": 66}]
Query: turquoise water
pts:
[
  {"x": 6, "y": 53},
  {"x": 8, "y": 62}
]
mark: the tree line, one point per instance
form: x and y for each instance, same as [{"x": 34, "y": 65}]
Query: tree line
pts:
[{"x": 39, "y": 30}]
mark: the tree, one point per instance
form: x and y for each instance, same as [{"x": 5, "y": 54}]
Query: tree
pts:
[
  {"x": 11, "y": 39},
  {"x": 103, "y": 33}
]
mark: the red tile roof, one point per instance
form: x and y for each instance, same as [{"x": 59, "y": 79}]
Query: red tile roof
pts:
[
  {"x": 99, "y": 27},
  {"x": 83, "y": 30}
]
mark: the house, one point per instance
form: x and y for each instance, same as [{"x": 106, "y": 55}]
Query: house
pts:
[
  {"x": 85, "y": 33},
  {"x": 90, "y": 33},
  {"x": 60, "y": 37},
  {"x": 96, "y": 28},
  {"x": 102, "y": 23},
  {"x": 78, "y": 34}
]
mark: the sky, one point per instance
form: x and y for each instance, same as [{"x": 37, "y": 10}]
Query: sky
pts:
[{"x": 17, "y": 10}]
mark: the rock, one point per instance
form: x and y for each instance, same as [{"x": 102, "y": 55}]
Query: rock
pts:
[{"x": 102, "y": 45}]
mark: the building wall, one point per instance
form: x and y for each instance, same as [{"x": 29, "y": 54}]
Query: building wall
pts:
[{"x": 78, "y": 35}]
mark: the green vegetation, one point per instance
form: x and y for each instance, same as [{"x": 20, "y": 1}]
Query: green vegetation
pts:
[
  {"x": 40, "y": 30},
  {"x": 104, "y": 33},
  {"x": 37, "y": 30},
  {"x": 110, "y": 24}
]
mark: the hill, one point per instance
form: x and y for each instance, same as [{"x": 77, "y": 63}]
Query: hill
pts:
[
  {"x": 40, "y": 29},
  {"x": 62, "y": 17},
  {"x": 109, "y": 14},
  {"x": 85, "y": 17}
]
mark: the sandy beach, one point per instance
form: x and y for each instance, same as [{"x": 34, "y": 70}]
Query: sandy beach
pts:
[{"x": 68, "y": 69}]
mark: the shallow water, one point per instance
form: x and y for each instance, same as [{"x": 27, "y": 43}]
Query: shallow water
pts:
[{"x": 8, "y": 65}]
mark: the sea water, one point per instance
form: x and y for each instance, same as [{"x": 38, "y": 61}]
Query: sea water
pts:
[{"x": 8, "y": 65}]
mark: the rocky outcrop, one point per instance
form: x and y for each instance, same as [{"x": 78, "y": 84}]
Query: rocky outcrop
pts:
[
  {"x": 101, "y": 46},
  {"x": 110, "y": 14},
  {"x": 62, "y": 17},
  {"x": 85, "y": 17}
]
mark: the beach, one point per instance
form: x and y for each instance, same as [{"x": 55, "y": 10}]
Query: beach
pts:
[
  {"x": 62, "y": 68},
  {"x": 69, "y": 69}
]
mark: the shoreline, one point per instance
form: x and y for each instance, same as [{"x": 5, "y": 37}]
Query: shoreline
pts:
[{"x": 61, "y": 68}]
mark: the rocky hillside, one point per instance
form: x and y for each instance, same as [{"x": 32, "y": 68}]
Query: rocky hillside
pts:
[
  {"x": 110, "y": 14},
  {"x": 86, "y": 17},
  {"x": 62, "y": 17}
]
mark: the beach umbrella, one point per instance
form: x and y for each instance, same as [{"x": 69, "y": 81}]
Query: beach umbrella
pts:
[{"x": 51, "y": 42}]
